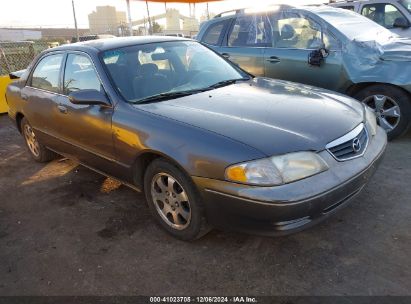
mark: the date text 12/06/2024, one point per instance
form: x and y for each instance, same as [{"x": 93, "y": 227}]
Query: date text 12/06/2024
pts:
[{"x": 235, "y": 299}]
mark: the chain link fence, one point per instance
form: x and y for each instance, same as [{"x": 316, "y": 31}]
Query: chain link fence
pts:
[{"x": 16, "y": 56}]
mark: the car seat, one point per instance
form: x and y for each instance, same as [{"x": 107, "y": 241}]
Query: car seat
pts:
[
  {"x": 241, "y": 39},
  {"x": 288, "y": 37},
  {"x": 150, "y": 82}
]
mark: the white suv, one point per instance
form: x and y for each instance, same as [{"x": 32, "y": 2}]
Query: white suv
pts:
[{"x": 395, "y": 15}]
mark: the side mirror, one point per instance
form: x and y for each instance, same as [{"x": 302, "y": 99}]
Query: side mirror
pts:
[
  {"x": 89, "y": 97},
  {"x": 316, "y": 57},
  {"x": 16, "y": 74},
  {"x": 401, "y": 22}
]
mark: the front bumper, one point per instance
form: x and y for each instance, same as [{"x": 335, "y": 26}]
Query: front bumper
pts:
[{"x": 290, "y": 208}]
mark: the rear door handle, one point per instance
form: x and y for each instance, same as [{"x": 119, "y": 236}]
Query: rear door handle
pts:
[
  {"x": 273, "y": 59},
  {"x": 226, "y": 55},
  {"x": 62, "y": 109}
]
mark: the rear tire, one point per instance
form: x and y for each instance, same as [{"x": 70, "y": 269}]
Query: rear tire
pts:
[
  {"x": 174, "y": 201},
  {"x": 391, "y": 104},
  {"x": 36, "y": 149}
]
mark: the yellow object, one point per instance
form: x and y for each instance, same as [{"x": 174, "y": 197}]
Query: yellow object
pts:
[
  {"x": 236, "y": 173},
  {"x": 4, "y": 81}
]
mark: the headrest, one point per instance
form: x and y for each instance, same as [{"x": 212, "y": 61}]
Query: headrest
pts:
[
  {"x": 148, "y": 69},
  {"x": 287, "y": 32}
]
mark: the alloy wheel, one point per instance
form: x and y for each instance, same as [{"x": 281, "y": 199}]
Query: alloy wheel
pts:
[
  {"x": 171, "y": 201},
  {"x": 31, "y": 141},
  {"x": 386, "y": 109}
]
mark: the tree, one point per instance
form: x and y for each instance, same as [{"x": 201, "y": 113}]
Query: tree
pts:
[{"x": 156, "y": 27}]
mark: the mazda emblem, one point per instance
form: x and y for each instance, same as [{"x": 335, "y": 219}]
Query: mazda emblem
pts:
[{"x": 356, "y": 145}]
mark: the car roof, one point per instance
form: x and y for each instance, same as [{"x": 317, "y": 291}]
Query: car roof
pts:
[
  {"x": 315, "y": 8},
  {"x": 118, "y": 42}
]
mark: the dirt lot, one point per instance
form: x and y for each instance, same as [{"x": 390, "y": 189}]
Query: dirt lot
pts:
[{"x": 65, "y": 230}]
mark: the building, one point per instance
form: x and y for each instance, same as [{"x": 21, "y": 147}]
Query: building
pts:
[
  {"x": 20, "y": 34},
  {"x": 106, "y": 20},
  {"x": 175, "y": 23}
]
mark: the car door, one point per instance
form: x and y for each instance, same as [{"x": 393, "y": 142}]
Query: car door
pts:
[
  {"x": 248, "y": 37},
  {"x": 41, "y": 93},
  {"x": 294, "y": 37},
  {"x": 85, "y": 130},
  {"x": 385, "y": 14}
]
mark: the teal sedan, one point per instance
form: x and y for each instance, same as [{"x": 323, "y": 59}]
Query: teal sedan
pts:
[{"x": 321, "y": 46}]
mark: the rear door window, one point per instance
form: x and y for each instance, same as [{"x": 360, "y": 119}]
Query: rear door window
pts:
[
  {"x": 47, "y": 72},
  {"x": 251, "y": 31}
]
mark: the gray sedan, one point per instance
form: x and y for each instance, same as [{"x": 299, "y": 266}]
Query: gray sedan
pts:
[{"x": 209, "y": 144}]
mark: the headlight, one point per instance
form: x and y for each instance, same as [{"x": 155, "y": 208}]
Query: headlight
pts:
[
  {"x": 371, "y": 120},
  {"x": 277, "y": 170}
]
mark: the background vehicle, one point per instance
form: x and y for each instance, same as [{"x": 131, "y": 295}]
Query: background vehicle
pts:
[
  {"x": 91, "y": 37},
  {"x": 394, "y": 15},
  {"x": 13, "y": 56},
  {"x": 322, "y": 46},
  {"x": 205, "y": 141}
]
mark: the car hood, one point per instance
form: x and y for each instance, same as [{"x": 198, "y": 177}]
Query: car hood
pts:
[{"x": 272, "y": 116}]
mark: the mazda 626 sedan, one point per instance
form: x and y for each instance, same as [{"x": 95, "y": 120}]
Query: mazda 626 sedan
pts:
[{"x": 209, "y": 144}]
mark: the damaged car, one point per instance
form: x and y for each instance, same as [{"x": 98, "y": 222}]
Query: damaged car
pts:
[
  {"x": 325, "y": 47},
  {"x": 208, "y": 144}
]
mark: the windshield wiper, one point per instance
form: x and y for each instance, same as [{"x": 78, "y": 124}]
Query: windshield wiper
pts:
[
  {"x": 226, "y": 83},
  {"x": 173, "y": 95},
  {"x": 169, "y": 95}
]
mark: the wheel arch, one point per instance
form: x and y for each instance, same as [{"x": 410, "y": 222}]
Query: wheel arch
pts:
[
  {"x": 19, "y": 118},
  {"x": 357, "y": 87},
  {"x": 144, "y": 159}
]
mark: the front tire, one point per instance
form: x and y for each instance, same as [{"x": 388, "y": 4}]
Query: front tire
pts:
[
  {"x": 174, "y": 201},
  {"x": 37, "y": 150},
  {"x": 392, "y": 107}
]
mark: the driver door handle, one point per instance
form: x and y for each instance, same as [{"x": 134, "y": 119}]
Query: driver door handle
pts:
[
  {"x": 273, "y": 59},
  {"x": 226, "y": 55},
  {"x": 62, "y": 109}
]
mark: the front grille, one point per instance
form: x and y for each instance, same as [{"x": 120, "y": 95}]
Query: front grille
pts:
[{"x": 351, "y": 145}]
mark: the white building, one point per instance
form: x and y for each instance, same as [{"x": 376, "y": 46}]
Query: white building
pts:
[{"x": 19, "y": 35}]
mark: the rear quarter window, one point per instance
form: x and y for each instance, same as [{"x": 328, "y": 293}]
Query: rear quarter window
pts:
[{"x": 215, "y": 32}]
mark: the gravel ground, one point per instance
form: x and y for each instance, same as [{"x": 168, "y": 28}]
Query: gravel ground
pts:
[{"x": 65, "y": 230}]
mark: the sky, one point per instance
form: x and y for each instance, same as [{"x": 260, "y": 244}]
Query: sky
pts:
[{"x": 58, "y": 13}]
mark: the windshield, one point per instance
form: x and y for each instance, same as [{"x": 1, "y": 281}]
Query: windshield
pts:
[
  {"x": 406, "y": 4},
  {"x": 348, "y": 23},
  {"x": 167, "y": 68}
]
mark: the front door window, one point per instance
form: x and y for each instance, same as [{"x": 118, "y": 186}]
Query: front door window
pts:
[
  {"x": 80, "y": 74},
  {"x": 382, "y": 13}
]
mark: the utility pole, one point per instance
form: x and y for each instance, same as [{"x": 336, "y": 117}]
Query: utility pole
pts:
[
  {"x": 150, "y": 29},
  {"x": 208, "y": 13},
  {"x": 130, "y": 24},
  {"x": 75, "y": 21}
]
